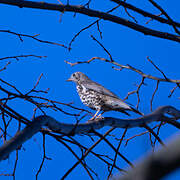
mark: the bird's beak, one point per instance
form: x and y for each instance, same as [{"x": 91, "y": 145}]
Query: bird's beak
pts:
[{"x": 70, "y": 79}]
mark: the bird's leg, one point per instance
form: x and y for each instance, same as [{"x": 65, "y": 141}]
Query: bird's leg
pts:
[
  {"x": 100, "y": 115},
  {"x": 94, "y": 115}
]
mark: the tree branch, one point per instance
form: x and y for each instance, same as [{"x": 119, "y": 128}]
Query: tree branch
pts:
[
  {"x": 129, "y": 67},
  {"x": 158, "y": 164},
  {"x": 145, "y": 13},
  {"x": 92, "y": 13},
  {"x": 73, "y": 129}
]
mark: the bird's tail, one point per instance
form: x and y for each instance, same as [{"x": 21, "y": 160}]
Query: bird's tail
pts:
[
  {"x": 136, "y": 111},
  {"x": 119, "y": 105}
]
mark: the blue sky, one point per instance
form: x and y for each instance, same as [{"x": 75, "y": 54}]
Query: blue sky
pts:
[{"x": 126, "y": 47}]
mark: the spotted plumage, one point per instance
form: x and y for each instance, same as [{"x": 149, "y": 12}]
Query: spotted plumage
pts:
[
  {"x": 96, "y": 97},
  {"x": 90, "y": 98}
]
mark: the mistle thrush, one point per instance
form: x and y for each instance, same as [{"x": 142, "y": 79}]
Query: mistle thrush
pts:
[{"x": 96, "y": 97}]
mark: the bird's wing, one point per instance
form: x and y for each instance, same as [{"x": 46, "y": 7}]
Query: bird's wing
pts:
[
  {"x": 99, "y": 88},
  {"x": 117, "y": 102}
]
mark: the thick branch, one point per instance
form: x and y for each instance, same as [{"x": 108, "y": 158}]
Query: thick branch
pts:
[
  {"x": 158, "y": 164},
  {"x": 20, "y": 138},
  {"x": 72, "y": 129},
  {"x": 92, "y": 13},
  {"x": 145, "y": 13}
]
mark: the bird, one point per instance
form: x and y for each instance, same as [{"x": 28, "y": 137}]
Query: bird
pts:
[{"x": 97, "y": 97}]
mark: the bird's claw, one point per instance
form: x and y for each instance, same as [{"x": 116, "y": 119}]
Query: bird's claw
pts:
[{"x": 98, "y": 118}]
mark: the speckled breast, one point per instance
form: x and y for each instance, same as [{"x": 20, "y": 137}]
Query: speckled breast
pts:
[{"x": 89, "y": 97}]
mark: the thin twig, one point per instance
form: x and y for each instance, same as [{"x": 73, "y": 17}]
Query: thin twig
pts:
[
  {"x": 157, "y": 67},
  {"x": 133, "y": 18},
  {"x": 164, "y": 13},
  {"x": 87, "y": 152},
  {"x": 154, "y": 134},
  {"x": 137, "y": 92},
  {"x": 116, "y": 153},
  {"x": 5, "y": 66},
  {"x": 21, "y": 56},
  {"x": 172, "y": 91},
  {"x": 33, "y": 37},
  {"x": 151, "y": 102},
  {"x": 44, "y": 157},
  {"x": 110, "y": 144},
  {"x": 103, "y": 48},
  {"x": 87, "y": 27},
  {"x": 129, "y": 67}
]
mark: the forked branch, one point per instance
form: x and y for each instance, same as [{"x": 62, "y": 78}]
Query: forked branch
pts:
[
  {"x": 73, "y": 129},
  {"x": 92, "y": 13}
]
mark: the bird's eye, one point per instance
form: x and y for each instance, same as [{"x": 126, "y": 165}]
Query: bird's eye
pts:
[{"x": 73, "y": 75}]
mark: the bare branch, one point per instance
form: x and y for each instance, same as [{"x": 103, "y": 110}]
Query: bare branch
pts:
[
  {"x": 21, "y": 56},
  {"x": 157, "y": 164},
  {"x": 72, "y": 129},
  {"x": 157, "y": 86},
  {"x": 92, "y": 13},
  {"x": 87, "y": 152},
  {"x": 172, "y": 91},
  {"x": 153, "y": 133},
  {"x": 103, "y": 48},
  {"x": 43, "y": 159},
  {"x": 168, "y": 17},
  {"x": 5, "y": 67},
  {"x": 129, "y": 67},
  {"x": 115, "y": 157},
  {"x": 145, "y": 13},
  {"x": 152, "y": 18},
  {"x": 133, "y": 18},
  {"x": 90, "y": 25},
  {"x": 137, "y": 92},
  {"x": 79, "y": 159},
  {"x": 156, "y": 67},
  {"x": 32, "y": 36},
  {"x": 111, "y": 145}
]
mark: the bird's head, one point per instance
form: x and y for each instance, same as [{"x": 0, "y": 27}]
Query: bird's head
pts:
[{"x": 78, "y": 77}]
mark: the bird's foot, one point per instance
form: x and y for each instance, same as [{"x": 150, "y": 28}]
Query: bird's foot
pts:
[{"x": 97, "y": 118}]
